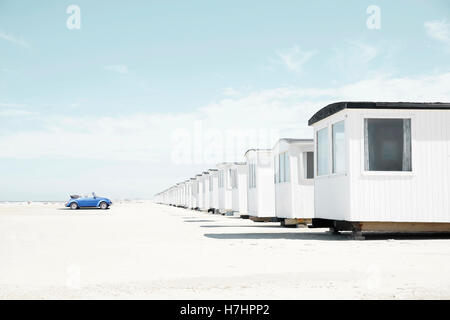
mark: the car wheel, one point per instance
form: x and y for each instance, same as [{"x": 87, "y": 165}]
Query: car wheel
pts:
[
  {"x": 74, "y": 206},
  {"x": 103, "y": 205}
]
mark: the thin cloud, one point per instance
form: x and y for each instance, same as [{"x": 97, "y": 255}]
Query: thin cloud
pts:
[
  {"x": 230, "y": 92},
  {"x": 365, "y": 52},
  {"x": 438, "y": 30},
  {"x": 13, "y": 39},
  {"x": 119, "y": 68},
  {"x": 147, "y": 137},
  {"x": 295, "y": 58},
  {"x": 16, "y": 113},
  {"x": 354, "y": 59},
  {"x": 11, "y": 105}
]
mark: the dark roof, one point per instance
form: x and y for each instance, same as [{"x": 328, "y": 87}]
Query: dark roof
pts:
[
  {"x": 338, "y": 106},
  {"x": 229, "y": 163},
  {"x": 292, "y": 140},
  {"x": 256, "y": 150}
]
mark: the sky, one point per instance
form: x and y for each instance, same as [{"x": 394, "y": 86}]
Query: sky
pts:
[{"x": 126, "y": 98}]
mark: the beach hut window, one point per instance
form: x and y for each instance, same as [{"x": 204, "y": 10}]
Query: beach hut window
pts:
[
  {"x": 282, "y": 169},
  {"x": 322, "y": 152},
  {"x": 339, "y": 147},
  {"x": 387, "y": 144},
  {"x": 308, "y": 168}
]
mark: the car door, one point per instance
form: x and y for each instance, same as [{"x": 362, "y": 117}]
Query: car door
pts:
[
  {"x": 91, "y": 201},
  {"x": 83, "y": 202}
]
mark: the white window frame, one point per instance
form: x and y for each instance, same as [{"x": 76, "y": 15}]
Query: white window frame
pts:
[
  {"x": 302, "y": 163},
  {"x": 344, "y": 172},
  {"x": 379, "y": 115},
  {"x": 316, "y": 153},
  {"x": 329, "y": 124}
]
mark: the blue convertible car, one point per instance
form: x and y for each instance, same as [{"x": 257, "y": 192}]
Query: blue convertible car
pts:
[{"x": 92, "y": 201}]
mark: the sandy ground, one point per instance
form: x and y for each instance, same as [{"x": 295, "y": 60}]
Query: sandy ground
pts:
[{"x": 150, "y": 251}]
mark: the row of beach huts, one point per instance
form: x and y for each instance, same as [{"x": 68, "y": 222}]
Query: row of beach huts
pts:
[{"x": 372, "y": 166}]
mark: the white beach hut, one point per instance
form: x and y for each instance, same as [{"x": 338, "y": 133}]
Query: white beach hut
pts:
[
  {"x": 174, "y": 195},
  {"x": 224, "y": 181},
  {"x": 213, "y": 185},
  {"x": 186, "y": 194},
  {"x": 239, "y": 188},
  {"x": 261, "y": 187},
  {"x": 204, "y": 190},
  {"x": 189, "y": 194},
  {"x": 182, "y": 196},
  {"x": 164, "y": 197},
  {"x": 199, "y": 182},
  {"x": 198, "y": 191},
  {"x": 167, "y": 196},
  {"x": 382, "y": 166},
  {"x": 294, "y": 181},
  {"x": 177, "y": 194},
  {"x": 194, "y": 193},
  {"x": 170, "y": 196}
]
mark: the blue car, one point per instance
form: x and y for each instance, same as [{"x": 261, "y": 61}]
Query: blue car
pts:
[{"x": 92, "y": 201}]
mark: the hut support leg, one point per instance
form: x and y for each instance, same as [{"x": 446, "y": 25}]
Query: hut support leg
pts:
[
  {"x": 356, "y": 232},
  {"x": 334, "y": 230}
]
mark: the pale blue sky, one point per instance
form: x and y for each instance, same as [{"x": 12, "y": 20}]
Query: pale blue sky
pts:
[{"x": 137, "y": 71}]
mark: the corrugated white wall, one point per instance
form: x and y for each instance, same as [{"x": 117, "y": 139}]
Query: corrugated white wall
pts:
[
  {"x": 199, "y": 192},
  {"x": 294, "y": 199},
  {"x": 239, "y": 194},
  {"x": 420, "y": 196},
  {"x": 205, "y": 197},
  {"x": 214, "y": 194},
  {"x": 194, "y": 192},
  {"x": 252, "y": 193},
  {"x": 225, "y": 192},
  {"x": 265, "y": 185},
  {"x": 189, "y": 195}
]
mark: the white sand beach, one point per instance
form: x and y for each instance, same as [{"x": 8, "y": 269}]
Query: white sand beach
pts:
[{"x": 141, "y": 250}]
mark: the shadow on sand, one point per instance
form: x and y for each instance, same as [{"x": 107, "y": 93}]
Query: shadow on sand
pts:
[{"x": 83, "y": 209}]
